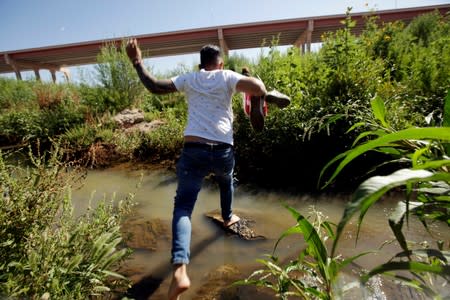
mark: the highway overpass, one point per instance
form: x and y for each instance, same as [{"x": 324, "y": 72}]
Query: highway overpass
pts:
[{"x": 301, "y": 32}]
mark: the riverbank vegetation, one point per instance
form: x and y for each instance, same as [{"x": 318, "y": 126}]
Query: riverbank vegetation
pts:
[
  {"x": 47, "y": 252},
  {"x": 382, "y": 90},
  {"x": 424, "y": 177},
  {"x": 414, "y": 141}
]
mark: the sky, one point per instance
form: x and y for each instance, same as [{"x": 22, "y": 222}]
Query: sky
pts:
[{"x": 38, "y": 23}]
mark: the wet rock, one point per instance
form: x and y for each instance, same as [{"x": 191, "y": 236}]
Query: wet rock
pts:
[
  {"x": 243, "y": 228},
  {"x": 142, "y": 234},
  {"x": 129, "y": 117}
]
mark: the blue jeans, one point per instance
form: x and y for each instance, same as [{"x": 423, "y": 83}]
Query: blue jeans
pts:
[{"x": 194, "y": 164}]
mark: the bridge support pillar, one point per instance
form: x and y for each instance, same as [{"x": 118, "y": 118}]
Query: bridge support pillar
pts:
[
  {"x": 304, "y": 40},
  {"x": 36, "y": 73},
  {"x": 222, "y": 42}
]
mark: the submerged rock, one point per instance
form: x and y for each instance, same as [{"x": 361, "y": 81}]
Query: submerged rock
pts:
[
  {"x": 145, "y": 234},
  {"x": 242, "y": 228}
]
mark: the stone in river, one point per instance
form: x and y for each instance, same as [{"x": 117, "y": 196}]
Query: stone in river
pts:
[{"x": 243, "y": 228}]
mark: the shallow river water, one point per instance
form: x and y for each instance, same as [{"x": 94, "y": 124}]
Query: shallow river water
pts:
[{"x": 212, "y": 247}]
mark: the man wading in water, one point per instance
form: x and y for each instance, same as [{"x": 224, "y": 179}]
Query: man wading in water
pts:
[{"x": 208, "y": 141}]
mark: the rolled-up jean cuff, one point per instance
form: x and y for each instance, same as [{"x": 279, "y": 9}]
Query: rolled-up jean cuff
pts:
[{"x": 180, "y": 262}]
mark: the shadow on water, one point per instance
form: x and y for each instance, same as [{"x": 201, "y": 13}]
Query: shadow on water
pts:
[
  {"x": 166, "y": 182},
  {"x": 149, "y": 284}
]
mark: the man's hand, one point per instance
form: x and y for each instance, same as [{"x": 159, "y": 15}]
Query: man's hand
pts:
[
  {"x": 133, "y": 51},
  {"x": 154, "y": 85}
]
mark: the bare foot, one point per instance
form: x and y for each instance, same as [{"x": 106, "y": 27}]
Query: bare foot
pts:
[
  {"x": 180, "y": 282},
  {"x": 234, "y": 219}
]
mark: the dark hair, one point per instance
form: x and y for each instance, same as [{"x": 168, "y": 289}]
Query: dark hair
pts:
[{"x": 209, "y": 55}]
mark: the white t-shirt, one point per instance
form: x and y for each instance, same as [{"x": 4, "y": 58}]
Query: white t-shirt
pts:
[{"x": 209, "y": 95}]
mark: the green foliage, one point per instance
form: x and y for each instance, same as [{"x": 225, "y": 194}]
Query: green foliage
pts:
[
  {"x": 418, "y": 58},
  {"x": 26, "y": 126},
  {"x": 18, "y": 127},
  {"x": 332, "y": 90},
  {"x": 166, "y": 141},
  {"x": 314, "y": 273},
  {"x": 120, "y": 82},
  {"x": 56, "y": 121},
  {"x": 80, "y": 137},
  {"x": 45, "y": 250},
  {"x": 96, "y": 98},
  {"x": 236, "y": 62},
  {"x": 15, "y": 94},
  {"x": 427, "y": 189},
  {"x": 149, "y": 102},
  {"x": 52, "y": 110},
  {"x": 446, "y": 120}
]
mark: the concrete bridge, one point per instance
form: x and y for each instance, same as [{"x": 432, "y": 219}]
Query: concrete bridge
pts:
[{"x": 300, "y": 32}]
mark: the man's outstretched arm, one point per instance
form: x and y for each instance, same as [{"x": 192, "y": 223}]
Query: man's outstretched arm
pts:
[{"x": 154, "y": 85}]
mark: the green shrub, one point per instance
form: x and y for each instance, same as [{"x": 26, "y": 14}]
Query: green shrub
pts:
[
  {"x": 15, "y": 94},
  {"x": 165, "y": 142},
  {"x": 45, "y": 251},
  {"x": 120, "y": 82},
  {"x": 79, "y": 137},
  {"x": 331, "y": 90},
  {"x": 27, "y": 126},
  {"x": 53, "y": 110},
  {"x": 19, "y": 127},
  {"x": 418, "y": 59},
  {"x": 126, "y": 143},
  {"x": 56, "y": 121},
  {"x": 236, "y": 62},
  {"x": 149, "y": 102}
]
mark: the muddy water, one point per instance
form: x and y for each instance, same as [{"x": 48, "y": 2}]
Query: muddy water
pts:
[{"x": 211, "y": 247}]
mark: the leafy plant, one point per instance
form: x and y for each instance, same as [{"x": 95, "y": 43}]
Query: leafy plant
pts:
[
  {"x": 45, "y": 251},
  {"x": 15, "y": 94},
  {"x": 79, "y": 137},
  {"x": 165, "y": 142},
  {"x": 314, "y": 273},
  {"x": 19, "y": 127},
  {"x": 120, "y": 82},
  {"x": 52, "y": 110},
  {"x": 426, "y": 184}
]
